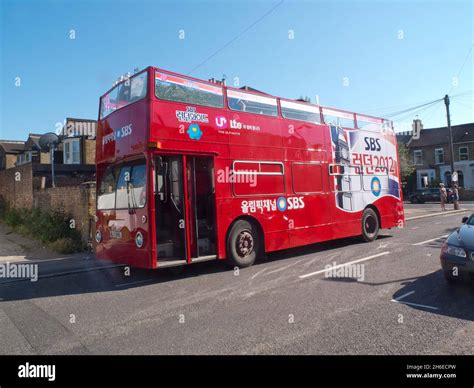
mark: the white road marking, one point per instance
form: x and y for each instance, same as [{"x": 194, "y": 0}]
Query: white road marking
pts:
[
  {"x": 343, "y": 265},
  {"x": 399, "y": 300},
  {"x": 415, "y": 227},
  {"x": 419, "y": 305},
  {"x": 258, "y": 273},
  {"x": 403, "y": 296},
  {"x": 433, "y": 239}
]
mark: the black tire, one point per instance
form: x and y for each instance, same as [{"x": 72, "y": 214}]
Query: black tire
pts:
[
  {"x": 243, "y": 244},
  {"x": 370, "y": 225}
]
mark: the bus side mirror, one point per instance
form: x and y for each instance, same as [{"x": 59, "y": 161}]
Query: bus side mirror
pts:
[{"x": 464, "y": 219}]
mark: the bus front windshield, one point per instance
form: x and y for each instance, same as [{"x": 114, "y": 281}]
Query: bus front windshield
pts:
[{"x": 125, "y": 93}]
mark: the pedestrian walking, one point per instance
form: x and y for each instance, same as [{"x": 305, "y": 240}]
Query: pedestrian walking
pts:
[
  {"x": 456, "y": 197},
  {"x": 443, "y": 195}
]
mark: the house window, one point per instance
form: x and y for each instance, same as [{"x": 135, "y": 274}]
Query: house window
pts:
[
  {"x": 23, "y": 158},
  {"x": 418, "y": 157},
  {"x": 439, "y": 155},
  {"x": 463, "y": 153},
  {"x": 72, "y": 151}
]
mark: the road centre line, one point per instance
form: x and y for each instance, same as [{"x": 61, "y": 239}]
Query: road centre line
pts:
[
  {"x": 344, "y": 265},
  {"x": 433, "y": 239}
]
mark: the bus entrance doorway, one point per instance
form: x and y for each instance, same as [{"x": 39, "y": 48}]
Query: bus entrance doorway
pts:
[
  {"x": 184, "y": 209},
  {"x": 202, "y": 214}
]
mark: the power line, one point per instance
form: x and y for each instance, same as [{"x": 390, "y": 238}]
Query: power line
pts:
[
  {"x": 394, "y": 106},
  {"x": 237, "y": 36},
  {"x": 463, "y": 93},
  {"x": 418, "y": 111},
  {"x": 462, "y": 67},
  {"x": 461, "y": 103},
  {"x": 413, "y": 108}
]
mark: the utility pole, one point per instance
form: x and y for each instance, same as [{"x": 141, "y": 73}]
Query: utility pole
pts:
[{"x": 450, "y": 133}]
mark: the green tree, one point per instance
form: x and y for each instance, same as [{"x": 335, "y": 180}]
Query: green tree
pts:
[{"x": 407, "y": 168}]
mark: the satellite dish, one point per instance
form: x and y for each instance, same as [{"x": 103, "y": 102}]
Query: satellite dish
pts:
[{"x": 48, "y": 140}]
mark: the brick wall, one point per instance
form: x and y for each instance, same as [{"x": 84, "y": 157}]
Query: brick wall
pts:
[
  {"x": 89, "y": 151},
  {"x": 16, "y": 186},
  {"x": 76, "y": 201},
  {"x": 21, "y": 190}
]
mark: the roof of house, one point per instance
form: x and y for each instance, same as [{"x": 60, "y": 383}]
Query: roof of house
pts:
[
  {"x": 12, "y": 146},
  {"x": 33, "y": 138},
  {"x": 403, "y": 138},
  {"x": 439, "y": 136}
]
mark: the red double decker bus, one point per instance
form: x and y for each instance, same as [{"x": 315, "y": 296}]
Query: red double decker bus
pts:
[{"x": 190, "y": 170}]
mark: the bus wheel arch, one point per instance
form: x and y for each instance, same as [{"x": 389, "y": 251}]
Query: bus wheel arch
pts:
[
  {"x": 245, "y": 242},
  {"x": 371, "y": 223}
]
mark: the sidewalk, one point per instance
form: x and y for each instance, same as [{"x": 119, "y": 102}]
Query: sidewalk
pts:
[
  {"x": 22, "y": 250},
  {"x": 432, "y": 209}
]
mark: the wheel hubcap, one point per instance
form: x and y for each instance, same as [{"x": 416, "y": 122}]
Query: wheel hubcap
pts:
[
  {"x": 245, "y": 243},
  {"x": 370, "y": 225}
]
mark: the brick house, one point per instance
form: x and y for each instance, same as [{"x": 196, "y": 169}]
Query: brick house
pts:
[
  {"x": 9, "y": 149},
  {"x": 26, "y": 177},
  {"x": 431, "y": 155}
]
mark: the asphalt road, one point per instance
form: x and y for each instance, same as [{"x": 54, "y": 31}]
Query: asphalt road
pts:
[{"x": 284, "y": 305}]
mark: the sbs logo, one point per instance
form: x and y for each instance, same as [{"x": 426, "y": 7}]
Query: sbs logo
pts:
[{"x": 290, "y": 203}]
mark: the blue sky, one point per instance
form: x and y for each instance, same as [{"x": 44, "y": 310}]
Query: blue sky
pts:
[{"x": 395, "y": 54}]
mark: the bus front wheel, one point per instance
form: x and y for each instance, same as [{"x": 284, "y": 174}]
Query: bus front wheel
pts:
[
  {"x": 370, "y": 225},
  {"x": 243, "y": 244}
]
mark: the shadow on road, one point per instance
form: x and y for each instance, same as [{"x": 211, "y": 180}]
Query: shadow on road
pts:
[
  {"x": 456, "y": 300},
  {"x": 59, "y": 282}
]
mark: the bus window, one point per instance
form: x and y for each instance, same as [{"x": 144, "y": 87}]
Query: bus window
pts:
[
  {"x": 172, "y": 88},
  {"x": 132, "y": 90},
  {"x": 124, "y": 94},
  {"x": 108, "y": 103},
  {"x": 138, "y": 185},
  {"x": 122, "y": 200},
  {"x": 252, "y": 103},
  {"x": 339, "y": 121},
  {"x": 338, "y": 118},
  {"x": 106, "y": 191},
  {"x": 296, "y": 111}
]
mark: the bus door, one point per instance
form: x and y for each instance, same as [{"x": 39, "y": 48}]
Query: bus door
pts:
[
  {"x": 200, "y": 188},
  {"x": 170, "y": 212}
]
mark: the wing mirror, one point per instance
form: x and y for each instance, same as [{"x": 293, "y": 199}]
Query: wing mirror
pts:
[{"x": 464, "y": 219}]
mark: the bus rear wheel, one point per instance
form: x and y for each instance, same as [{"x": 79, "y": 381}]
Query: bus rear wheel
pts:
[
  {"x": 370, "y": 225},
  {"x": 243, "y": 244}
]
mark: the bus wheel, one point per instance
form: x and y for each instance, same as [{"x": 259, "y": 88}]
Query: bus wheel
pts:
[
  {"x": 243, "y": 244},
  {"x": 370, "y": 225}
]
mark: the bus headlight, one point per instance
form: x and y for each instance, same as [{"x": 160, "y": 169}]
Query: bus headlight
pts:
[
  {"x": 139, "y": 240},
  {"x": 98, "y": 236}
]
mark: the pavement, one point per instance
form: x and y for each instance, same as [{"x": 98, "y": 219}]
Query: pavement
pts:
[{"x": 285, "y": 304}]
